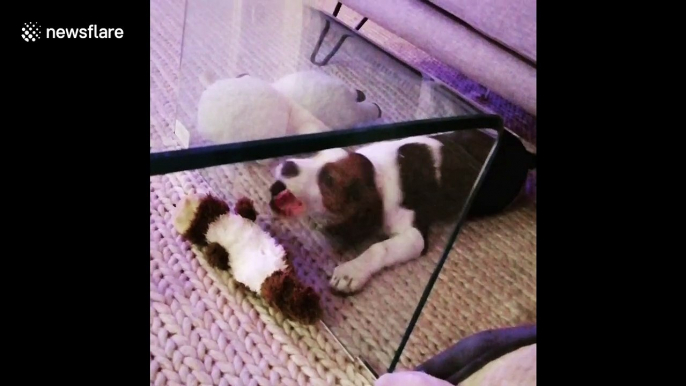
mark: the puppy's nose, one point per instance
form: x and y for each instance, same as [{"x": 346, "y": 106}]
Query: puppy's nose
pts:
[
  {"x": 289, "y": 169},
  {"x": 277, "y": 188}
]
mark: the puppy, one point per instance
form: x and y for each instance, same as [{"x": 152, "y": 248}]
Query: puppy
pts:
[{"x": 400, "y": 188}]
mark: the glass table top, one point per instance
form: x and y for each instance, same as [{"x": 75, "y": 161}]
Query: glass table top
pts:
[
  {"x": 275, "y": 44},
  {"x": 253, "y": 70}
]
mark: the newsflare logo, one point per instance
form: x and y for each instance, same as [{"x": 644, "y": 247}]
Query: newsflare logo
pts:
[{"x": 31, "y": 32}]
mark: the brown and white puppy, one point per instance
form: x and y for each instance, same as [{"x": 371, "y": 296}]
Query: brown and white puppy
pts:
[{"x": 397, "y": 187}]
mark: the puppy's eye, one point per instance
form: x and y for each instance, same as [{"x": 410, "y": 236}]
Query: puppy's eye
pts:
[
  {"x": 326, "y": 178},
  {"x": 360, "y": 96}
]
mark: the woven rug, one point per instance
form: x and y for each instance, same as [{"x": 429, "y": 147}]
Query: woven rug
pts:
[{"x": 206, "y": 330}]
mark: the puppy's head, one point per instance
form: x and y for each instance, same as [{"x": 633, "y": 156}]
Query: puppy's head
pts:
[{"x": 334, "y": 185}]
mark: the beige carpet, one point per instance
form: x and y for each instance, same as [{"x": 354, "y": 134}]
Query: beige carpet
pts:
[{"x": 205, "y": 330}]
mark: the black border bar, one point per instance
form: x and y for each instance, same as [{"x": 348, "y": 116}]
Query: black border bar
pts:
[{"x": 208, "y": 156}]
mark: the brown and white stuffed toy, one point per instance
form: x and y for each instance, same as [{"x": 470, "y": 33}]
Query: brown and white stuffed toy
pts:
[{"x": 232, "y": 240}]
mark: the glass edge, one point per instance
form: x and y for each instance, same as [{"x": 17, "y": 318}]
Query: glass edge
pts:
[
  {"x": 451, "y": 241},
  {"x": 173, "y": 161},
  {"x": 179, "y": 83}
]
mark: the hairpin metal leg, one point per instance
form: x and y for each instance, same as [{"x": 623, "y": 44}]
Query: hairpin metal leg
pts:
[{"x": 327, "y": 26}]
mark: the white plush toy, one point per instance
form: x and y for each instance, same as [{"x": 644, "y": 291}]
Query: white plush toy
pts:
[
  {"x": 328, "y": 98},
  {"x": 247, "y": 108}
]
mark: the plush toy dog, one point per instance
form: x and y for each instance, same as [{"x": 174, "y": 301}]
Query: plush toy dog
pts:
[
  {"x": 248, "y": 108},
  {"x": 232, "y": 240}
]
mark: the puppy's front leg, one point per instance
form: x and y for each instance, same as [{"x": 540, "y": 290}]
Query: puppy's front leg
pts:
[{"x": 351, "y": 276}]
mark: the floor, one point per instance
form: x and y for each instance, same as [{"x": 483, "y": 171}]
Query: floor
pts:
[{"x": 206, "y": 330}]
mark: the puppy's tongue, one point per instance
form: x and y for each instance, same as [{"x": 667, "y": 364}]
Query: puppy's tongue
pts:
[{"x": 287, "y": 204}]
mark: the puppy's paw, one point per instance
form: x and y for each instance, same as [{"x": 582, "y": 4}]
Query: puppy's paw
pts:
[{"x": 350, "y": 277}]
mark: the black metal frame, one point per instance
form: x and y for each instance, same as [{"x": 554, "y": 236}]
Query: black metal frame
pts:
[
  {"x": 203, "y": 157},
  {"x": 341, "y": 40}
]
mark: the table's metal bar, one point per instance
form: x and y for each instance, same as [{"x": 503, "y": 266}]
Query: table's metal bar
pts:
[{"x": 204, "y": 157}]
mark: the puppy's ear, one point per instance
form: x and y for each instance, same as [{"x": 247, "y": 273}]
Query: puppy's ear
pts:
[{"x": 366, "y": 168}]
